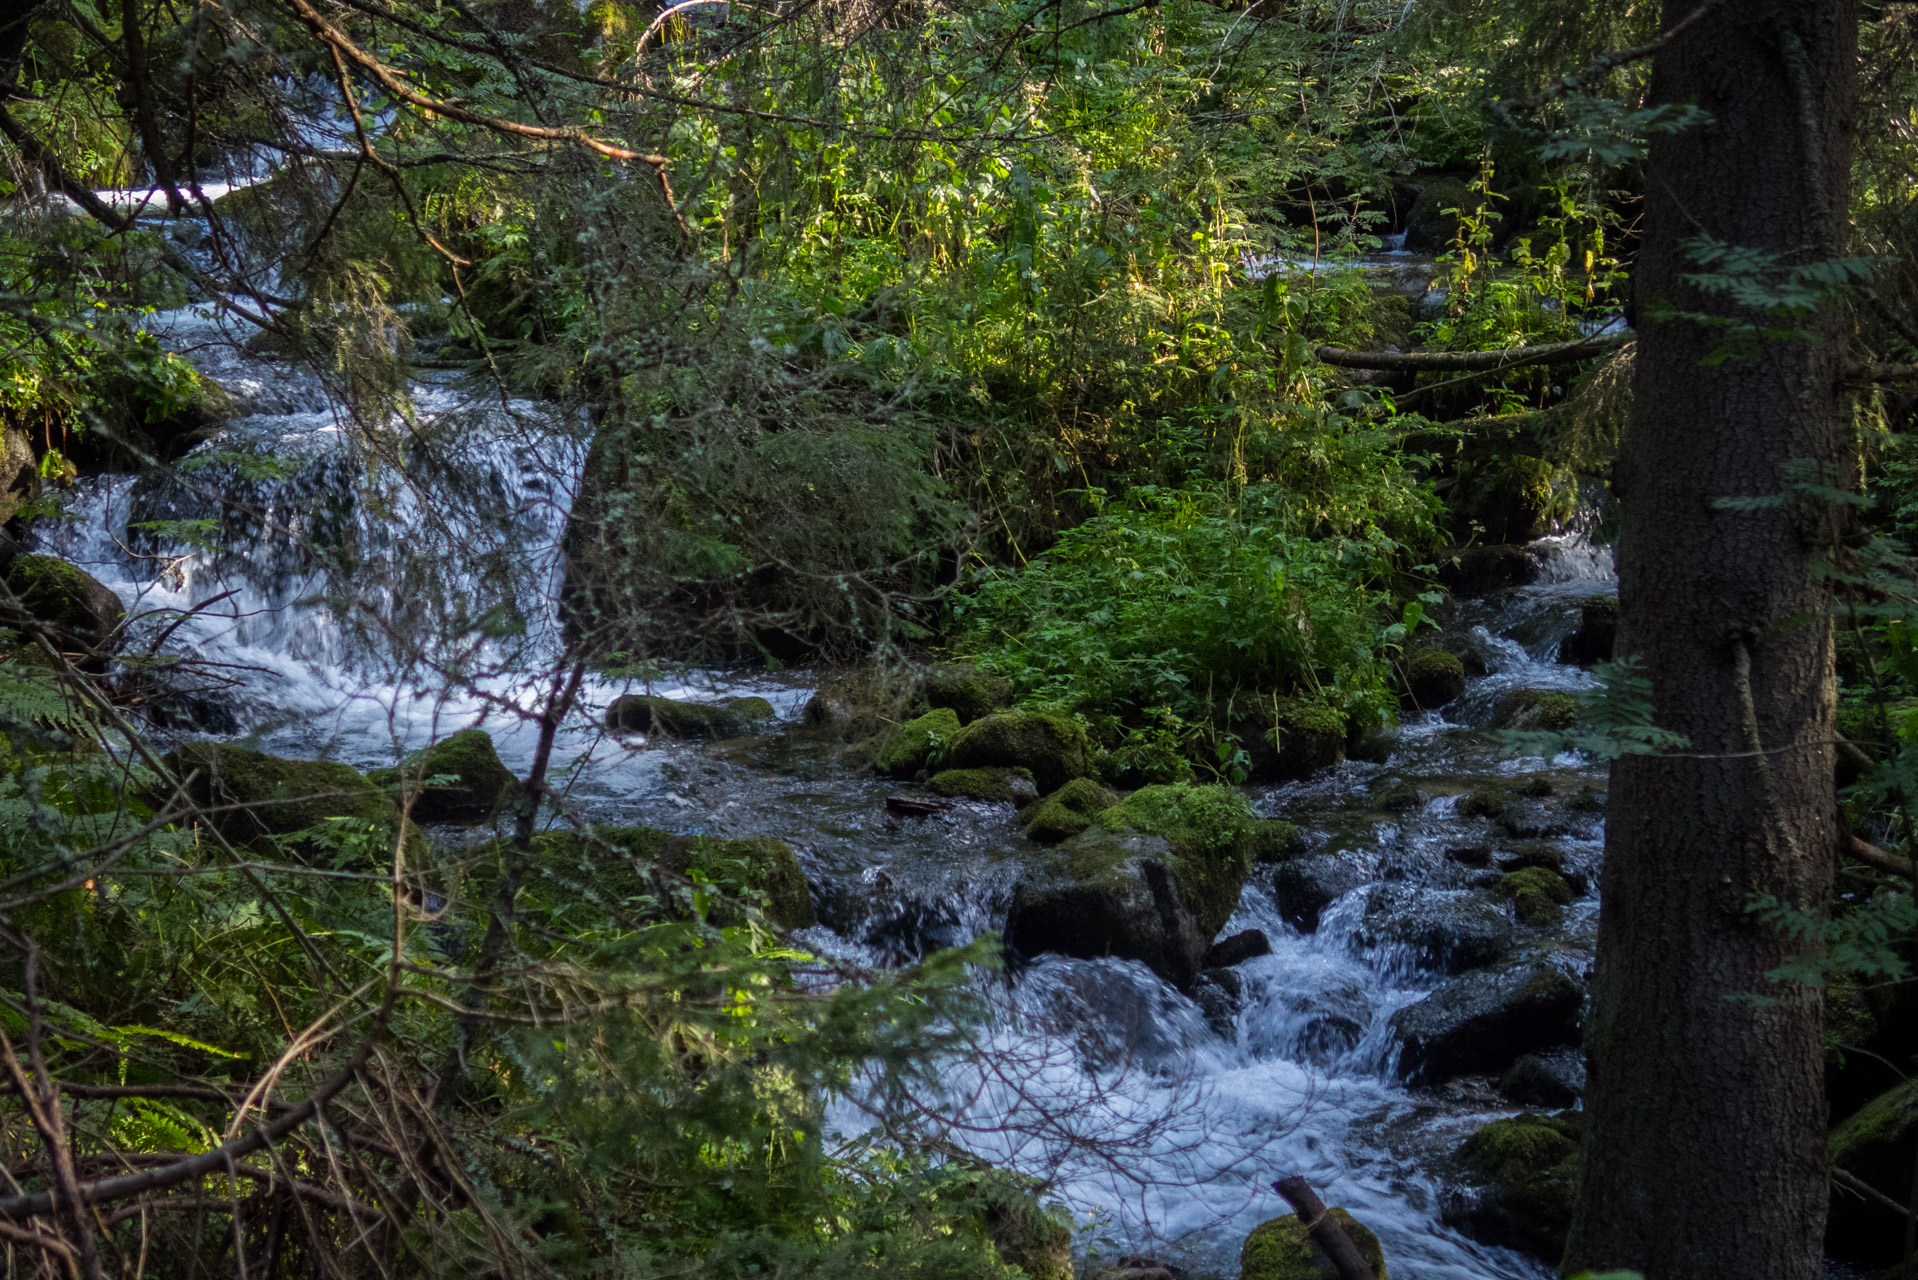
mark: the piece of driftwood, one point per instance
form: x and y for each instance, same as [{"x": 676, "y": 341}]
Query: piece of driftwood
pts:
[
  {"x": 1324, "y": 1228},
  {"x": 914, "y": 807}
]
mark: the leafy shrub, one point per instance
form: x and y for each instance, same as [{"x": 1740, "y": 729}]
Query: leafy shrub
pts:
[{"x": 1173, "y": 598}]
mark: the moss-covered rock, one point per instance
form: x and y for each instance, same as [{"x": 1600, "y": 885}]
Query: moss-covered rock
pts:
[
  {"x": 1014, "y": 786},
  {"x": 1026, "y": 1232},
  {"x": 969, "y": 694},
  {"x": 1305, "y": 737},
  {"x": 1878, "y": 1145},
  {"x": 1399, "y": 796},
  {"x": 912, "y": 746},
  {"x": 1482, "y": 802},
  {"x": 1051, "y": 744},
  {"x": 256, "y": 800},
  {"x": 1486, "y": 1020},
  {"x": 671, "y": 718},
  {"x": 1067, "y": 811},
  {"x": 1275, "y": 840},
  {"x": 1526, "y": 1171},
  {"x": 1536, "y": 710},
  {"x": 65, "y": 597},
  {"x": 1429, "y": 228},
  {"x": 752, "y": 710},
  {"x": 481, "y": 781},
  {"x": 1554, "y": 1078},
  {"x": 1596, "y": 635},
  {"x": 1538, "y": 895},
  {"x": 1144, "y": 760},
  {"x": 757, "y": 866},
  {"x": 1153, "y": 879},
  {"x": 1433, "y": 678},
  {"x": 1510, "y": 498},
  {"x": 1282, "y": 1249}
]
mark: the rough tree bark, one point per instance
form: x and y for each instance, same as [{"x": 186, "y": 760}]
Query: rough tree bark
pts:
[{"x": 1705, "y": 1147}]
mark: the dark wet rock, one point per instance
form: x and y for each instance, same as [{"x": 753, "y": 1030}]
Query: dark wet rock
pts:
[
  {"x": 479, "y": 781},
  {"x": 1001, "y": 785},
  {"x": 1282, "y": 1249},
  {"x": 969, "y": 694},
  {"x": 911, "y": 746},
  {"x": 1450, "y": 930},
  {"x": 1304, "y": 738},
  {"x": 1433, "y": 678},
  {"x": 1536, "y": 709},
  {"x": 1588, "y": 800},
  {"x": 1248, "y": 944},
  {"x": 1051, "y": 744},
  {"x": 1306, "y": 886},
  {"x": 1429, "y": 228},
  {"x": 1398, "y": 797},
  {"x": 672, "y": 718},
  {"x": 1532, "y": 853},
  {"x": 1470, "y": 855},
  {"x": 1534, "y": 820},
  {"x": 74, "y": 605},
  {"x": 1477, "y": 571},
  {"x": 1220, "y": 1001},
  {"x": 1153, "y": 879},
  {"x": 1523, "y": 1173},
  {"x": 1539, "y": 895},
  {"x": 1486, "y": 1020},
  {"x": 1373, "y": 744},
  {"x": 1066, "y": 812},
  {"x": 1876, "y": 1145},
  {"x": 1554, "y": 1078},
  {"x": 1597, "y": 631}
]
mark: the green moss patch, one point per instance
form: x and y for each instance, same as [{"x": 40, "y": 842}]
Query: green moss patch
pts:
[
  {"x": 1067, "y": 811},
  {"x": 999, "y": 784},
  {"x": 911, "y": 746},
  {"x": 480, "y": 781},
  {"x": 1538, "y": 894},
  {"x": 1052, "y": 744},
  {"x": 1282, "y": 1249}
]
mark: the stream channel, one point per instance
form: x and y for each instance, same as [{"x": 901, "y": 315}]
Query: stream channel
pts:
[{"x": 1206, "y": 1105}]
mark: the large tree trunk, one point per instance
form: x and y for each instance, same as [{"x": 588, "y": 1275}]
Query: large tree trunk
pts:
[{"x": 1705, "y": 1147}]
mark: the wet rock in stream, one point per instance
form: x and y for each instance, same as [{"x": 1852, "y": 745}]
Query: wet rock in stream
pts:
[
  {"x": 1448, "y": 930},
  {"x": 1520, "y": 1183},
  {"x": 1307, "y": 885},
  {"x": 1485, "y": 1020}
]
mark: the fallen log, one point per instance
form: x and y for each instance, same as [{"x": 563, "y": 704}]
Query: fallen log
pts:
[{"x": 1472, "y": 361}]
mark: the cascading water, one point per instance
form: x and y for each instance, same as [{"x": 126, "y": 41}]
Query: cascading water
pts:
[{"x": 1166, "y": 1119}]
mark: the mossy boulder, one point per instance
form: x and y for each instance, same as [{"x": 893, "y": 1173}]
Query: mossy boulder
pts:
[
  {"x": 609, "y": 859},
  {"x": 480, "y": 783},
  {"x": 1275, "y": 840},
  {"x": 1433, "y": 678},
  {"x": 1524, "y": 1172},
  {"x": 1535, "y": 710},
  {"x": 1051, "y": 744},
  {"x": 1596, "y": 635},
  {"x": 1152, "y": 879},
  {"x": 971, "y": 695},
  {"x": 256, "y": 800},
  {"x": 911, "y": 746},
  {"x": 1282, "y": 1249},
  {"x": 1025, "y": 1231},
  {"x": 1510, "y": 499},
  {"x": 1539, "y": 895},
  {"x": 1429, "y": 227},
  {"x": 1487, "y": 1020},
  {"x": 1877, "y": 1144},
  {"x": 1482, "y": 802},
  {"x": 1067, "y": 811},
  {"x": 1001, "y": 785},
  {"x": 672, "y": 718},
  {"x": 66, "y": 598},
  {"x": 1304, "y": 738}
]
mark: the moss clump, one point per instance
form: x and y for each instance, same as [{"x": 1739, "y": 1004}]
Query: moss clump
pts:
[
  {"x": 65, "y": 596},
  {"x": 1051, "y": 744},
  {"x": 758, "y": 867},
  {"x": 913, "y": 745},
  {"x": 1281, "y": 1249},
  {"x": 1483, "y": 802},
  {"x": 1535, "y": 710},
  {"x": 480, "y": 783},
  {"x": 1398, "y": 798},
  {"x": 1433, "y": 678},
  {"x": 1001, "y": 785},
  {"x": 970, "y": 694},
  {"x": 1538, "y": 894},
  {"x": 1067, "y": 811},
  {"x": 1214, "y": 834},
  {"x": 1530, "y": 1163},
  {"x": 256, "y": 800},
  {"x": 1145, "y": 760},
  {"x": 1274, "y": 840}
]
